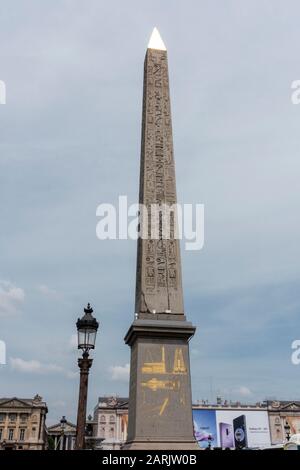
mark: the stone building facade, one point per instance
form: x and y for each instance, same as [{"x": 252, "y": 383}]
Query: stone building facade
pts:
[
  {"x": 280, "y": 413},
  {"x": 22, "y": 423},
  {"x": 111, "y": 418},
  {"x": 62, "y": 439},
  {"x": 110, "y": 422}
]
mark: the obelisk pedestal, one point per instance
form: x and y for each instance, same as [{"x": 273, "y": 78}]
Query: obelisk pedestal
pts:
[{"x": 160, "y": 409}]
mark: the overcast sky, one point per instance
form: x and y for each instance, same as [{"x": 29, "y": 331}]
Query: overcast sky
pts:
[{"x": 70, "y": 140}]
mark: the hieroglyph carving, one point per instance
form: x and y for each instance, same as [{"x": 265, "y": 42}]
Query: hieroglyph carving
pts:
[{"x": 158, "y": 285}]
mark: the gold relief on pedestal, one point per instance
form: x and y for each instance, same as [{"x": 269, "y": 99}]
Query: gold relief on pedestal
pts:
[{"x": 168, "y": 388}]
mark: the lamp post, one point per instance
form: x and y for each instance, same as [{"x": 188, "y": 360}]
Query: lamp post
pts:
[
  {"x": 87, "y": 327},
  {"x": 287, "y": 429}
]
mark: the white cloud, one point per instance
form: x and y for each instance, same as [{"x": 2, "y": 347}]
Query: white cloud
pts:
[
  {"x": 120, "y": 373},
  {"x": 36, "y": 367},
  {"x": 243, "y": 391},
  {"x": 71, "y": 375},
  {"x": 11, "y": 297},
  {"x": 73, "y": 342},
  {"x": 33, "y": 366},
  {"x": 48, "y": 292}
]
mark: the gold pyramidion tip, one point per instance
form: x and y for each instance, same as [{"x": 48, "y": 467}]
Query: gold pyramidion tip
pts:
[{"x": 156, "y": 41}]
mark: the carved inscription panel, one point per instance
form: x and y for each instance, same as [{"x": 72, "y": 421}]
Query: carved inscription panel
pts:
[{"x": 159, "y": 286}]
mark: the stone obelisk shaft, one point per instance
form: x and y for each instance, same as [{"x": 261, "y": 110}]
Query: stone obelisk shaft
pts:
[
  {"x": 158, "y": 280},
  {"x": 160, "y": 402}
]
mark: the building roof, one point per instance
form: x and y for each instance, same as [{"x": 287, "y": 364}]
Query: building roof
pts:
[
  {"x": 57, "y": 426},
  {"x": 112, "y": 402},
  {"x": 115, "y": 402},
  {"x": 283, "y": 404},
  {"x": 15, "y": 402}
]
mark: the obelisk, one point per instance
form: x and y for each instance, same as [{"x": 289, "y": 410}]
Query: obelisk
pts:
[{"x": 160, "y": 406}]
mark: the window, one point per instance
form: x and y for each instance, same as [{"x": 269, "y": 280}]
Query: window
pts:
[
  {"x": 33, "y": 432},
  {"x": 23, "y": 418},
  {"x": 12, "y": 417},
  {"x": 102, "y": 419},
  {"x": 22, "y": 434},
  {"x": 102, "y": 432},
  {"x": 112, "y": 419},
  {"x": 111, "y": 432},
  {"x": 10, "y": 434},
  {"x": 2, "y": 417},
  {"x": 1, "y": 433}
]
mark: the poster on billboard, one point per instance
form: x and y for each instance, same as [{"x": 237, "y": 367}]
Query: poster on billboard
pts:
[
  {"x": 205, "y": 430},
  {"x": 232, "y": 428},
  {"x": 240, "y": 428}
]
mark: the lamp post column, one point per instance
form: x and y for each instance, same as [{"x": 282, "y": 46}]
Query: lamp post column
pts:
[
  {"x": 287, "y": 429},
  {"x": 84, "y": 364},
  {"x": 87, "y": 327}
]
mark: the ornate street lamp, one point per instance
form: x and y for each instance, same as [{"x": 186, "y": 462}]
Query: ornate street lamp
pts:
[
  {"x": 287, "y": 429},
  {"x": 87, "y": 327}
]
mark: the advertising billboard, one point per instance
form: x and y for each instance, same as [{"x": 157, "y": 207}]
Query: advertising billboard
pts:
[{"x": 232, "y": 428}]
